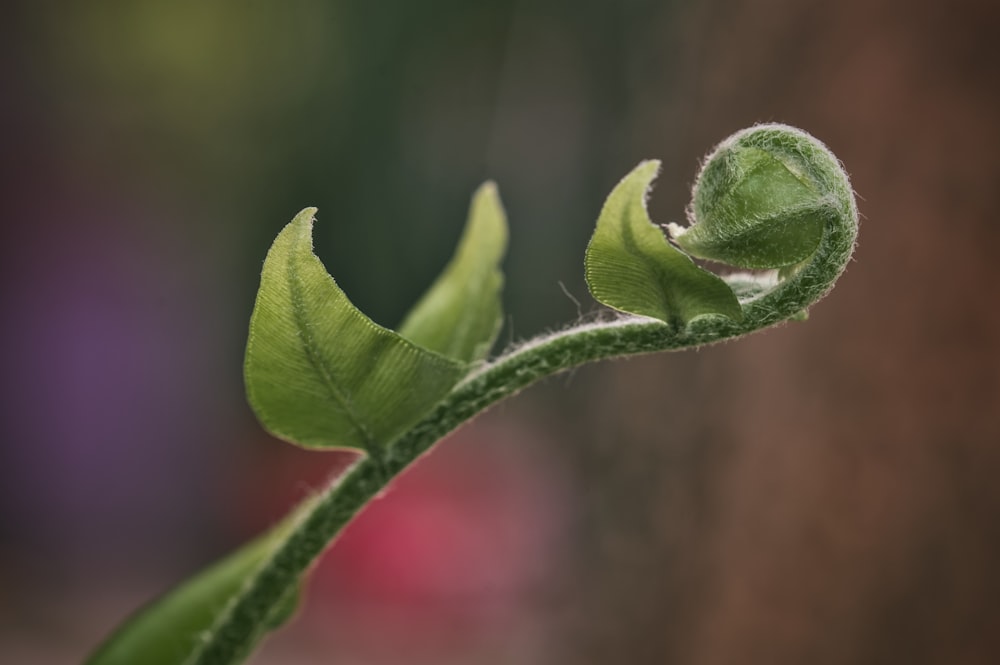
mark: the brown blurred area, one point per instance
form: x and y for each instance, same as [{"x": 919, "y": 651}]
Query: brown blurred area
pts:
[
  {"x": 824, "y": 493},
  {"x": 841, "y": 503}
]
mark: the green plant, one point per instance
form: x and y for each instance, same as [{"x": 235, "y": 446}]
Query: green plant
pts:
[{"x": 321, "y": 374}]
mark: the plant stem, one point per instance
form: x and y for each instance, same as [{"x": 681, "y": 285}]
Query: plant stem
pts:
[
  {"x": 251, "y": 614},
  {"x": 247, "y": 619}
]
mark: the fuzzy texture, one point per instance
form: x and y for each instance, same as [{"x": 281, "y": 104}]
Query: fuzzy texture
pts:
[
  {"x": 763, "y": 198},
  {"x": 254, "y": 612}
]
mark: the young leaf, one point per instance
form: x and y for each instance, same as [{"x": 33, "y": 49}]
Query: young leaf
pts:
[
  {"x": 322, "y": 374},
  {"x": 460, "y": 315},
  {"x": 763, "y": 198},
  {"x": 302, "y": 311},
  {"x": 631, "y": 267},
  {"x": 167, "y": 631}
]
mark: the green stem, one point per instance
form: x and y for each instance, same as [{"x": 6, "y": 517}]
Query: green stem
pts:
[{"x": 248, "y": 617}]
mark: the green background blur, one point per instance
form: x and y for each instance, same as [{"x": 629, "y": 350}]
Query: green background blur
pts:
[{"x": 823, "y": 493}]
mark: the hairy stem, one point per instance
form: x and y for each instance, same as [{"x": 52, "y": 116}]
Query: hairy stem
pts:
[
  {"x": 807, "y": 169},
  {"x": 248, "y": 617}
]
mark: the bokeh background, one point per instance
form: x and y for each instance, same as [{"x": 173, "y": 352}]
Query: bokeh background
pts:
[{"x": 821, "y": 493}]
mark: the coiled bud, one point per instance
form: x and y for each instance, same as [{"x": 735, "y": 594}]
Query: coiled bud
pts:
[{"x": 763, "y": 199}]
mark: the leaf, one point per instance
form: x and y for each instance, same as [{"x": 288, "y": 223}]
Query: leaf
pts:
[
  {"x": 631, "y": 267},
  {"x": 322, "y": 374},
  {"x": 759, "y": 203},
  {"x": 166, "y": 631},
  {"x": 460, "y": 315}
]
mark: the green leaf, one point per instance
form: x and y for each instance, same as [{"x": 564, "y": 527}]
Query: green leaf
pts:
[
  {"x": 460, "y": 315},
  {"x": 762, "y": 199},
  {"x": 322, "y": 374},
  {"x": 166, "y": 631},
  {"x": 631, "y": 267}
]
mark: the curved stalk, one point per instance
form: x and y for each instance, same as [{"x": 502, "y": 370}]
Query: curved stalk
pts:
[{"x": 247, "y": 618}]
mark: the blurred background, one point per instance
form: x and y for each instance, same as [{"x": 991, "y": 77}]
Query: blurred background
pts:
[{"x": 821, "y": 493}]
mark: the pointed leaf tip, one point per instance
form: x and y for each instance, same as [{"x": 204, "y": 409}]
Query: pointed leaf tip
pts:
[
  {"x": 461, "y": 314},
  {"x": 630, "y": 266},
  {"x": 318, "y": 371}
]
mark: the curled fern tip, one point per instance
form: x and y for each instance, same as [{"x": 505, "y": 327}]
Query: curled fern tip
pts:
[{"x": 764, "y": 198}]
